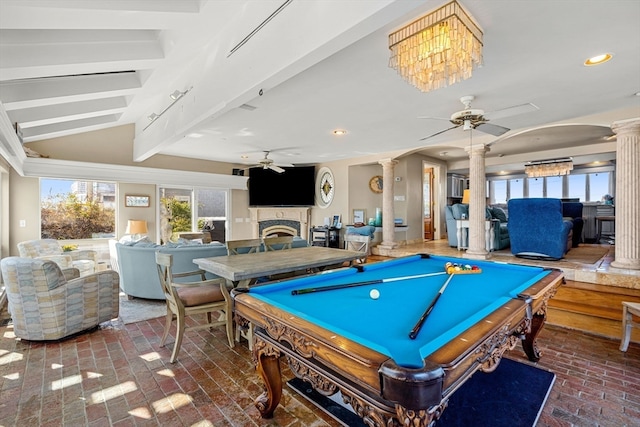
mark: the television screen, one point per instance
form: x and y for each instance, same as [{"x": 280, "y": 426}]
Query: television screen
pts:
[{"x": 294, "y": 187}]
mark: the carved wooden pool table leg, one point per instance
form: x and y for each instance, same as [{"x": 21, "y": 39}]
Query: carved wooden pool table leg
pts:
[
  {"x": 529, "y": 343},
  {"x": 268, "y": 367}
]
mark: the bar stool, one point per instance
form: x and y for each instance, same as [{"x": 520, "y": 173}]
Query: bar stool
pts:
[{"x": 629, "y": 309}]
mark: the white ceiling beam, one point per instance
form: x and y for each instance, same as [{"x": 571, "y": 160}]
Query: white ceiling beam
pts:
[
  {"x": 81, "y": 14},
  {"x": 328, "y": 28},
  {"x": 31, "y": 61},
  {"x": 56, "y": 130},
  {"x": 50, "y": 114},
  {"x": 19, "y": 94}
]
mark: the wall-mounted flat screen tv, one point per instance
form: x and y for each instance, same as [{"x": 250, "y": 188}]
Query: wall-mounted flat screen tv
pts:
[{"x": 294, "y": 187}]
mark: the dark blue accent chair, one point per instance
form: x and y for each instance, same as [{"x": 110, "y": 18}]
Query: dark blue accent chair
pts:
[
  {"x": 574, "y": 210},
  {"x": 537, "y": 228}
]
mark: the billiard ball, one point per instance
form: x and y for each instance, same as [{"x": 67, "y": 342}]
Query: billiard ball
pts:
[{"x": 374, "y": 294}]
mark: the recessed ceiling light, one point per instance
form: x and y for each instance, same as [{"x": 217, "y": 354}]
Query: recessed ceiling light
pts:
[
  {"x": 598, "y": 59},
  {"x": 339, "y": 132},
  {"x": 244, "y": 156}
]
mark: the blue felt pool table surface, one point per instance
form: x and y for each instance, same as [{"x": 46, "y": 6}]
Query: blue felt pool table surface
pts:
[{"x": 384, "y": 324}]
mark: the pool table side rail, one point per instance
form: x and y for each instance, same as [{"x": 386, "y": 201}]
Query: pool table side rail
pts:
[{"x": 310, "y": 340}]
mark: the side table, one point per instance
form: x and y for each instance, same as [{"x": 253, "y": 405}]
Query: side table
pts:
[{"x": 461, "y": 234}]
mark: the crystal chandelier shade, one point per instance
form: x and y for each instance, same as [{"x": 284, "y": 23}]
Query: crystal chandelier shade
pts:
[
  {"x": 544, "y": 168},
  {"x": 437, "y": 50}
]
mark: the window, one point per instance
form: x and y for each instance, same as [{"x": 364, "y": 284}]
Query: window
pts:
[
  {"x": 598, "y": 186},
  {"x": 177, "y": 213},
  {"x": 500, "y": 191},
  {"x": 578, "y": 186},
  {"x": 516, "y": 188},
  {"x": 585, "y": 184},
  {"x": 554, "y": 187},
  {"x": 77, "y": 209},
  {"x": 536, "y": 187}
]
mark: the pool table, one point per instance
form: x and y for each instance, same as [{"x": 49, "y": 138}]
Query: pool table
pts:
[{"x": 345, "y": 340}]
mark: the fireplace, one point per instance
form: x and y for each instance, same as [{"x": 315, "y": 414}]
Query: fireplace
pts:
[{"x": 280, "y": 221}]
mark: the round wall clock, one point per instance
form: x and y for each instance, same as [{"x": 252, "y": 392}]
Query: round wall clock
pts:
[
  {"x": 325, "y": 187},
  {"x": 375, "y": 184}
]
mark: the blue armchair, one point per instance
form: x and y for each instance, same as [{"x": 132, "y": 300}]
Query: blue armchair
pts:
[
  {"x": 573, "y": 210},
  {"x": 537, "y": 228}
]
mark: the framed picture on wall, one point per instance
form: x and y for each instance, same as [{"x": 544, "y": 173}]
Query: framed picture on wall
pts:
[
  {"x": 136, "y": 201},
  {"x": 359, "y": 215}
]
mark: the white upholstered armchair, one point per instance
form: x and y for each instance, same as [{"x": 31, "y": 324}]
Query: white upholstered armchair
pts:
[
  {"x": 50, "y": 249},
  {"x": 45, "y": 305}
]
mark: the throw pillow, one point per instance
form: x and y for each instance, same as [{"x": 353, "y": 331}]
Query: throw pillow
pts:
[{"x": 499, "y": 214}]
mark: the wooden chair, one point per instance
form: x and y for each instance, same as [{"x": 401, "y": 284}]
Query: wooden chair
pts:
[
  {"x": 357, "y": 242},
  {"x": 246, "y": 246},
  {"x": 277, "y": 243},
  {"x": 192, "y": 297}
]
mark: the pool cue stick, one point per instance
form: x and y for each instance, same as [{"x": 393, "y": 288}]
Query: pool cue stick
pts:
[
  {"x": 367, "y": 282},
  {"x": 416, "y": 329}
]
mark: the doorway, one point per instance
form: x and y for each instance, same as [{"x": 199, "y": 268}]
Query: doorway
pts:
[{"x": 427, "y": 198}]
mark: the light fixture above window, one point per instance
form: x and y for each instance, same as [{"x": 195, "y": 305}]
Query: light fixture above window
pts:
[
  {"x": 555, "y": 167},
  {"x": 437, "y": 50}
]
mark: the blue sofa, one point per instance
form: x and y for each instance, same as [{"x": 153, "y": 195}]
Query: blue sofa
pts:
[
  {"x": 538, "y": 229},
  {"x": 136, "y": 263},
  {"x": 501, "y": 232}
]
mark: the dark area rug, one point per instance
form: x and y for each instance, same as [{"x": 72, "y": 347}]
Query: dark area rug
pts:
[{"x": 511, "y": 396}]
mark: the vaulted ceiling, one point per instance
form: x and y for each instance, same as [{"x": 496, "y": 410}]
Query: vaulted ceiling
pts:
[{"x": 282, "y": 75}]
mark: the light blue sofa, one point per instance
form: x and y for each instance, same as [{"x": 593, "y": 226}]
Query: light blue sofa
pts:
[{"x": 136, "y": 263}]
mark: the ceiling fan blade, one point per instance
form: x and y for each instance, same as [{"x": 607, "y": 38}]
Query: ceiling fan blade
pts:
[
  {"x": 492, "y": 129},
  {"x": 438, "y": 133},
  {"x": 512, "y": 111},
  {"x": 276, "y": 168},
  {"x": 433, "y": 118}
]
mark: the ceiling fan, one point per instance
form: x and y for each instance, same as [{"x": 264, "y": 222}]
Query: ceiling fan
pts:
[
  {"x": 267, "y": 163},
  {"x": 472, "y": 118}
]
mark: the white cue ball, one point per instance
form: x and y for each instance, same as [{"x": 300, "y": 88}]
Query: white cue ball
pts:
[{"x": 374, "y": 294}]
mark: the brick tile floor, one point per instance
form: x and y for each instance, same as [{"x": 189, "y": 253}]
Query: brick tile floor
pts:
[{"x": 117, "y": 375}]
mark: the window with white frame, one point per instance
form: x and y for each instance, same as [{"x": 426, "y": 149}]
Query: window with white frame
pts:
[{"x": 587, "y": 185}]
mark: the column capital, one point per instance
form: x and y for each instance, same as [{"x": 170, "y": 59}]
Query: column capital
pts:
[
  {"x": 626, "y": 126},
  {"x": 477, "y": 149},
  {"x": 387, "y": 162}
]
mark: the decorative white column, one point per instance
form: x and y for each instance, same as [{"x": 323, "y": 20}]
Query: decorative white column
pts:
[
  {"x": 627, "y": 197},
  {"x": 388, "y": 213},
  {"x": 477, "y": 202}
]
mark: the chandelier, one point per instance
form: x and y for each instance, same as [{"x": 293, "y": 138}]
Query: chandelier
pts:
[
  {"x": 437, "y": 50},
  {"x": 556, "y": 167}
]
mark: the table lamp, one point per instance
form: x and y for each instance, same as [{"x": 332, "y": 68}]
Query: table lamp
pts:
[
  {"x": 136, "y": 228},
  {"x": 466, "y": 195}
]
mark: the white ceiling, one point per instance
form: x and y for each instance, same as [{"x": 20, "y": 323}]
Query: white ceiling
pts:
[{"x": 72, "y": 66}]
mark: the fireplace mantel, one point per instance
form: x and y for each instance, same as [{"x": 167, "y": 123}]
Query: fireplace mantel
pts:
[{"x": 301, "y": 215}]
